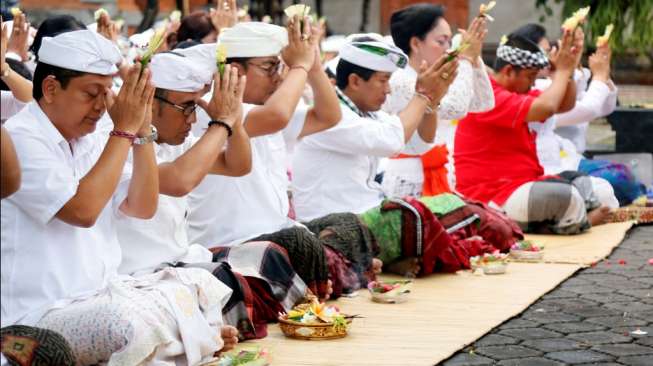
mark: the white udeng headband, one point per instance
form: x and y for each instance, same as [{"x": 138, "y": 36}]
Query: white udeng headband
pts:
[{"x": 522, "y": 58}]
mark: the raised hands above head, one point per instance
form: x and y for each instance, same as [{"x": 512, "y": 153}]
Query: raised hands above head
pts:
[
  {"x": 300, "y": 51},
  {"x": 225, "y": 16},
  {"x": 18, "y": 41},
  {"x": 130, "y": 109},
  {"x": 227, "y": 99},
  {"x": 474, "y": 36}
]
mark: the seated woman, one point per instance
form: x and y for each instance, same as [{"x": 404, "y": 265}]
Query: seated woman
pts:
[
  {"x": 424, "y": 35},
  {"x": 62, "y": 218}
]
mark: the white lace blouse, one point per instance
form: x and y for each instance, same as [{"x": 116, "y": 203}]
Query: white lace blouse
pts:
[{"x": 471, "y": 91}]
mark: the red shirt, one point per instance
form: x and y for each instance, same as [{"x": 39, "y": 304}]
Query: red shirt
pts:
[{"x": 494, "y": 151}]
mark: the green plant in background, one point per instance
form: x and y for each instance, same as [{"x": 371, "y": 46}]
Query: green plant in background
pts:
[{"x": 632, "y": 19}]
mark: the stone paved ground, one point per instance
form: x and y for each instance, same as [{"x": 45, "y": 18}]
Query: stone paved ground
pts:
[{"x": 587, "y": 320}]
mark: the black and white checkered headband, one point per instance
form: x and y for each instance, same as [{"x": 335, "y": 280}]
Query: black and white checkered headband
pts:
[{"x": 522, "y": 58}]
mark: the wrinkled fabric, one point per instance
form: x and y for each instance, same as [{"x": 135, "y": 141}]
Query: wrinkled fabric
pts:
[{"x": 626, "y": 187}]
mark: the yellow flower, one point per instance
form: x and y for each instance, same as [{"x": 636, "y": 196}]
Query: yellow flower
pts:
[
  {"x": 603, "y": 40},
  {"x": 504, "y": 39},
  {"x": 484, "y": 9},
  {"x": 15, "y": 11},
  {"x": 155, "y": 42},
  {"x": 221, "y": 57},
  {"x": 576, "y": 19},
  {"x": 98, "y": 13}
]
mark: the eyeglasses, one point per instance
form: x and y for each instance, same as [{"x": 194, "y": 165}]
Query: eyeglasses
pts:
[
  {"x": 186, "y": 110},
  {"x": 271, "y": 70}
]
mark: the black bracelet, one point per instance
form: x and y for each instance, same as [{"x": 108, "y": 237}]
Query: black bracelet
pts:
[{"x": 230, "y": 131}]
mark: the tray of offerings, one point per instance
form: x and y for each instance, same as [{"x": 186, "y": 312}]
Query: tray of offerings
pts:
[
  {"x": 390, "y": 292},
  {"x": 526, "y": 250},
  {"x": 315, "y": 321},
  {"x": 490, "y": 263}
]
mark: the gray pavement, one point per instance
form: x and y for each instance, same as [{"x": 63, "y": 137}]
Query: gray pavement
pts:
[{"x": 592, "y": 318}]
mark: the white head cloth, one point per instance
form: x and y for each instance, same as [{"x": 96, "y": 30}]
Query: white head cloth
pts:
[
  {"x": 333, "y": 43},
  {"x": 377, "y": 56},
  {"x": 81, "y": 50},
  {"x": 253, "y": 39},
  {"x": 332, "y": 65},
  {"x": 184, "y": 70},
  {"x": 375, "y": 36}
]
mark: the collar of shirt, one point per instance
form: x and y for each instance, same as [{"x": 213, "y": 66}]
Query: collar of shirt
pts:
[
  {"x": 350, "y": 104},
  {"x": 77, "y": 147}
]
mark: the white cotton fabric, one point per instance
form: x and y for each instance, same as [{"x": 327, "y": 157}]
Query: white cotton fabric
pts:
[
  {"x": 363, "y": 58},
  {"x": 471, "y": 91},
  {"x": 81, "y": 50},
  {"x": 147, "y": 244},
  {"x": 10, "y": 105},
  {"x": 226, "y": 211},
  {"x": 253, "y": 39},
  {"x": 334, "y": 170},
  {"x": 35, "y": 274},
  {"x": 169, "y": 318},
  {"x": 333, "y": 43},
  {"x": 184, "y": 70}
]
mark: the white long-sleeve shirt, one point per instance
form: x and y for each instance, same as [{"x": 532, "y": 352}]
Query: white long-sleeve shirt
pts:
[
  {"x": 334, "y": 170},
  {"x": 599, "y": 100}
]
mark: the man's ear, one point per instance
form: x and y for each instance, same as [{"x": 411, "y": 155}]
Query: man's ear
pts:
[
  {"x": 354, "y": 81},
  {"x": 49, "y": 88}
]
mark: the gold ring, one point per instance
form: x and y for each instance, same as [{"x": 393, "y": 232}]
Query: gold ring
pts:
[
  {"x": 304, "y": 37},
  {"x": 445, "y": 75}
]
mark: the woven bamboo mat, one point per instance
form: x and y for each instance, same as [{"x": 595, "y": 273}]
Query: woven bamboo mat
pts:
[
  {"x": 583, "y": 249},
  {"x": 443, "y": 314}
]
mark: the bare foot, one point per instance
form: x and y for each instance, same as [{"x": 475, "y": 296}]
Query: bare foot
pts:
[
  {"x": 598, "y": 216},
  {"x": 377, "y": 265},
  {"x": 407, "y": 267},
  {"x": 229, "y": 336}
]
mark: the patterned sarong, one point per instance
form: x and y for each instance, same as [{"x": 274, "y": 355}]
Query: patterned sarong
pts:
[{"x": 25, "y": 346}]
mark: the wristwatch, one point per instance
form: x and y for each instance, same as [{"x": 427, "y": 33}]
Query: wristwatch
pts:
[{"x": 147, "y": 139}]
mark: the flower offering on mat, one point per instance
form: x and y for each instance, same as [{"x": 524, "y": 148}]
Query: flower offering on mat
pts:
[
  {"x": 249, "y": 356},
  {"x": 527, "y": 246}
]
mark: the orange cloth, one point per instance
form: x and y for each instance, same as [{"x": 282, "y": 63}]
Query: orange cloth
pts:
[{"x": 435, "y": 172}]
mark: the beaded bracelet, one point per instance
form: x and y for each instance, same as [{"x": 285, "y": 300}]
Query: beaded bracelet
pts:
[
  {"x": 222, "y": 124},
  {"x": 130, "y": 136}
]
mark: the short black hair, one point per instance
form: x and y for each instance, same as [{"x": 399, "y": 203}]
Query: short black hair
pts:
[
  {"x": 44, "y": 70},
  {"x": 532, "y": 32},
  {"x": 345, "y": 68},
  {"x": 53, "y": 26},
  {"x": 516, "y": 41},
  {"x": 414, "y": 21},
  {"x": 19, "y": 68},
  {"x": 187, "y": 44}
]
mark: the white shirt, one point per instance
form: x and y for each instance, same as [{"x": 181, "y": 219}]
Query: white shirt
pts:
[
  {"x": 146, "y": 244},
  {"x": 232, "y": 210},
  {"x": 334, "y": 170},
  {"x": 10, "y": 105},
  {"x": 46, "y": 262},
  {"x": 599, "y": 100},
  {"x": 471, "y": 91}
]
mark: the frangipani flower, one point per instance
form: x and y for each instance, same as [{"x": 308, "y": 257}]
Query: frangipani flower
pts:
[
  {"x": 576, "y": 19},
  {"x": 221, "y": 58},
  {"x": 155, "y": 42},
  {"x": 603, "y": 40},
  {"x": 175, "y": 16},
  {"x": 484, "y": 9},
  {"x": 458, "y": 45},
  {"x": 15, "y": 11},
  {"x": 119, "y": 23},
  {"x": 98, "y": 13},
  {"x": 299, "y": 10}
]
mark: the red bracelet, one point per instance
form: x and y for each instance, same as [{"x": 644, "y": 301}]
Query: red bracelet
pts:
[{"x": 130, "y": 136}]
